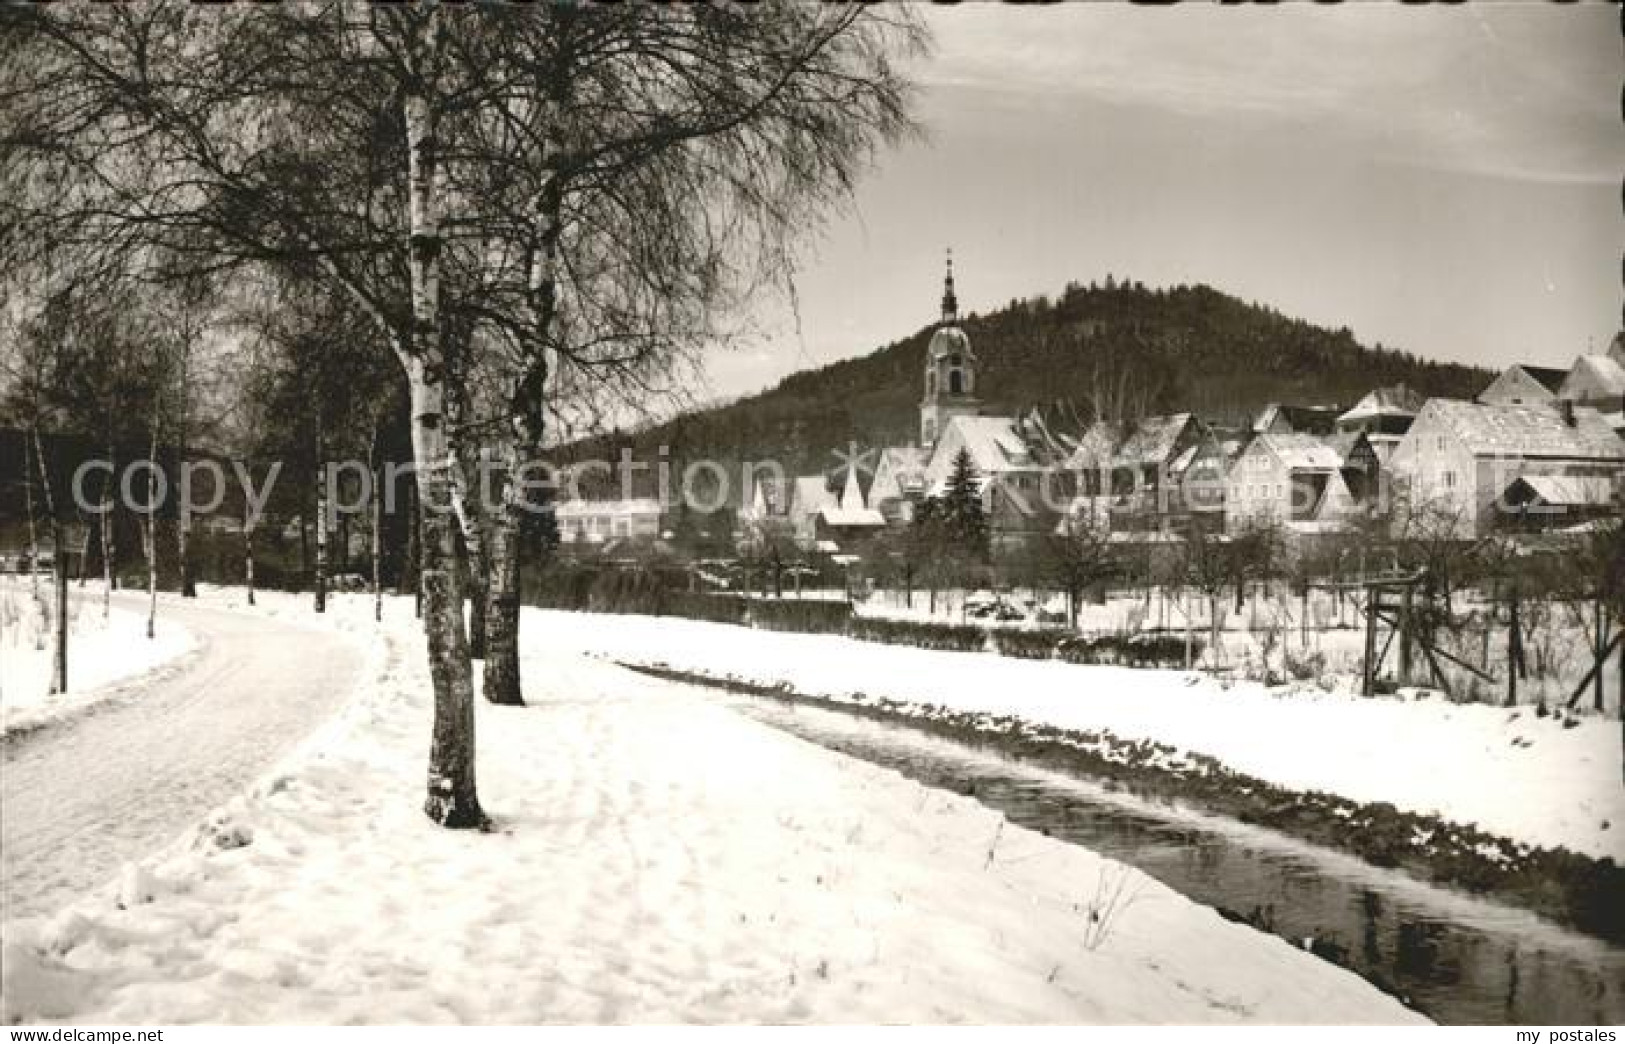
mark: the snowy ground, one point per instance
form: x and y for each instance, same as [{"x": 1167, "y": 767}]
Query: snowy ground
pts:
[
  {"x": 102, "y": 651},
  {"x": 657, "y": 857},
  {"x": 1509, "y": 772}
]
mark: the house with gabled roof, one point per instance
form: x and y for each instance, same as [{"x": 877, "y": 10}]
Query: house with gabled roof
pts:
[
  {"x": 1024, "y": 486},
  {"x": 1523, "y": 385},
  {"x": 1292, "y": 481},
  {"x": 849, "y": 520},
  {"x": 1383, "y": 417},
  {"x": 1460, "y": 459},
  {"x": 1147, "y": 469},
  {"x": 1597, "y": 381},
  {"x": 809, "y": 495},
  {"x": 1538, "y": 502},
  {"x": 899, "y": 483}
]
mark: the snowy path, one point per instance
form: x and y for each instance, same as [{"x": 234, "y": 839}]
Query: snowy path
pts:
[{"x": 79, "y": 800}]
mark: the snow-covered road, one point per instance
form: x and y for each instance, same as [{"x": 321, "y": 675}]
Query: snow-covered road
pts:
[{"x": 82, "y": 798}]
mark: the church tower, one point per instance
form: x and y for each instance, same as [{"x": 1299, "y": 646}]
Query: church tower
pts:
[{"x": 950, "y": 370}]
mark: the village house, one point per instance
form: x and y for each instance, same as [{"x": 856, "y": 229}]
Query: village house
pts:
[
  {"x": 1292, "y": 481},
  {"x": 1383, "y": 417},
  {"x": 1024, "y": 487},
  {"x": 1461, "y": 459},
  {"x": 1147, "y": 469},
  {"x": 809, "y": 495},
  {"x": 1524, "y": 385},
  {"x": 848, "y": 522},
  {"x": 765, "y": 519},
  {"x": 899, "y": 483},
  {"x": 584, "y": 522},
  {"x": 1596, "y": 381},
  {"x": 1545, "y": 502}
]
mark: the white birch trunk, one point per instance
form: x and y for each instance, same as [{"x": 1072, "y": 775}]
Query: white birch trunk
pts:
[
  {"x": 453, "y": 799},
  {"x": 321, "y": 522},
  {"x": 107, "y": 537},
  {"x": 152, "y": 535}
]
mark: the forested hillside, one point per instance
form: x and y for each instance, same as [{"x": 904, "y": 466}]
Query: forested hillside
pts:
[{"x": 1118, "y": 347}]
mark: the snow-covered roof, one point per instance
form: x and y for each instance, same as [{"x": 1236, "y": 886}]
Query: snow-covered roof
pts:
[
  {"x": 1526, "y": 431},
  {"x": 1153, "y": 439},
  {"x": 993, "y": 443},
  {"x": 1594, "y": 375},
  {"x": 1397, "y": 400},
  {"x": 1345, "y": 444},
  {"x": 1570, "y": 490},
  {"x": 851, "y": 517},
  {"x": 1302, "y": 452}
]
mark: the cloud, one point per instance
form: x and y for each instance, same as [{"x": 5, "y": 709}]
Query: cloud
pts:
[{"x": 1511, "y": 90}]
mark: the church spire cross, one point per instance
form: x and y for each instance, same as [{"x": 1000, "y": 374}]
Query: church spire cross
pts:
[{"x": 950, "y": 303}]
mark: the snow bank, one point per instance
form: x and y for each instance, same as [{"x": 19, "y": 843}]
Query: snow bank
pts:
[
  {"x": 105, "y": 654},
  {"x": 1508, "y": 772},
  {"x": 656, "y": 858}
]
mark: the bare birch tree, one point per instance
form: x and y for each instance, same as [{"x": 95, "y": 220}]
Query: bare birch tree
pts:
[{"x": 435, "y": 163}]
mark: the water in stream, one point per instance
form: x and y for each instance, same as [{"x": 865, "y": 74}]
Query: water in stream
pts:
[{"x": 1455, "y": 958}]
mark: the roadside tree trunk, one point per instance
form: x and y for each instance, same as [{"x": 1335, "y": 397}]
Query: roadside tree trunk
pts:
[
  {"x": 152, "y": 535},
  {"x": 33, "y": 529},
  {"x": 109, "y": 567},
  {"x": 321, "y": 522},
  {"x": 248, "y": 551},
  {"x": 377, "y": 526},
  {"x": 188, "y": 586},
  {"x": 453, "y": 799},
  {"x": 502, "y": 675}
]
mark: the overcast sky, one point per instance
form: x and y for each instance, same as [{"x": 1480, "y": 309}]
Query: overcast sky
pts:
[{"x": 1443, "y": 180}]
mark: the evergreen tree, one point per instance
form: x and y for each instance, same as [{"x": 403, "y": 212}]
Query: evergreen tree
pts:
[{"x": 963, "y": 515}]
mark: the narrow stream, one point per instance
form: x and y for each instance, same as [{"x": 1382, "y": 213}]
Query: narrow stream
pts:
[{"x": 1455, "y": 958}]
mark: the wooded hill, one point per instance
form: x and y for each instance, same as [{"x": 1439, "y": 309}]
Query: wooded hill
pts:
[{"x": 1120, "y": 348}]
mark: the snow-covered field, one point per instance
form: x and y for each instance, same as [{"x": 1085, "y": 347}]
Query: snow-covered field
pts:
[
  {"x": 1523, "y": 777},
  {"x": 656, "y": 857},
  {"x": 102, "y": 651}
]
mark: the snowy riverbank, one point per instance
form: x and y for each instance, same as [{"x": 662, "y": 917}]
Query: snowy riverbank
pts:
[
  {"x": 656, "y": 858},
  {"x": 1522, "y": 777}
]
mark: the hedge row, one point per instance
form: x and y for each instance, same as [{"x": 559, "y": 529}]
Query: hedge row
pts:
[
  {"x": 813, "y": 616},
  {"x": 651, "y": 594}
]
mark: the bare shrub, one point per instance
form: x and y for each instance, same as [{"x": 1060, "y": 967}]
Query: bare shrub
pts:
[{"x": 1113, "y": 895}]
